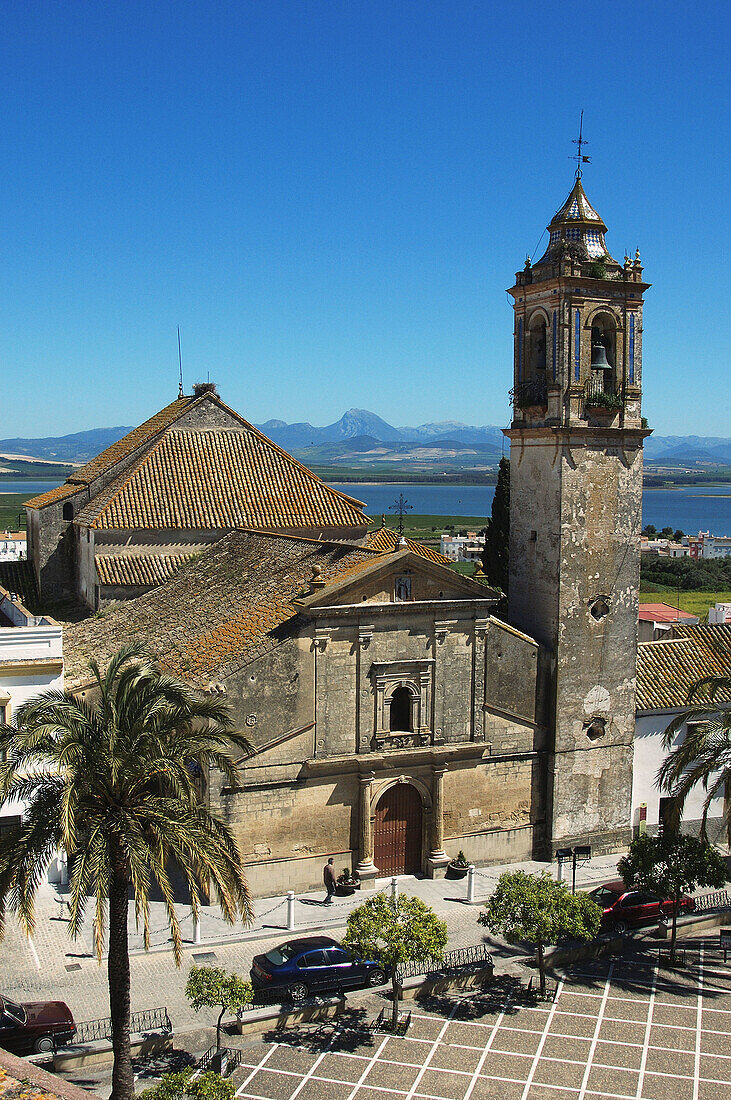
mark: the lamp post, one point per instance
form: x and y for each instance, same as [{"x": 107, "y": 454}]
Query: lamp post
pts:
[{"x": 577, "y": 856}]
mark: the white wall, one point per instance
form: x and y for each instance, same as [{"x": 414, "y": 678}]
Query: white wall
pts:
[{"x": 648, "y": 757}]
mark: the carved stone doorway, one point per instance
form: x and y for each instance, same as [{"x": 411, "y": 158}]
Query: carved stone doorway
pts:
[{"x": 397, "y": 838}]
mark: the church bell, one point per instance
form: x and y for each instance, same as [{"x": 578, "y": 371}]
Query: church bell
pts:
[{"x": 599, "y": 356}]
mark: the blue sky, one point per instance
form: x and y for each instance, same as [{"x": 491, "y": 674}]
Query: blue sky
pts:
[{"x": 330, "y": 198}]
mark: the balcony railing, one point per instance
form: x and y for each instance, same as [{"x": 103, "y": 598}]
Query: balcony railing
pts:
[
  {"x": 533, "y": 392},
  {"x": 601, "y": 392}
]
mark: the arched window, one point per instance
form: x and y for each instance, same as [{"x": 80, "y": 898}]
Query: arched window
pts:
[
  {"x": 68, "y": 510},
  {"x": 400, "y": 718}
]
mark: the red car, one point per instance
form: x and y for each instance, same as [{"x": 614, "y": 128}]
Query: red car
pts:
[
  {"x": 624, "y": 909},
  {"x": 35, "y": 1025}
]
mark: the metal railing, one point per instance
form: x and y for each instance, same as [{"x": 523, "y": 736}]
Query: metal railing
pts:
[
  {"x": 532, "y": 392},
  {"x": 720, "y": 900},
  {"x": 601, "y": 390},
  {"x": 464, "y": 958},
  {"x": 233, "y": 1056},
  {"x": 152, "y": 1019}
]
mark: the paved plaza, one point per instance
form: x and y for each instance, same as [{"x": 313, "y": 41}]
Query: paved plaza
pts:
[{"x": 620, "y": 1029}]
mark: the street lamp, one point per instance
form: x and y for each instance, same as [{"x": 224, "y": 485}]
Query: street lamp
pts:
[{"x": 577, "y": 856}]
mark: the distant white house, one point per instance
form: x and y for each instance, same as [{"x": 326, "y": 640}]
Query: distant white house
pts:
[
  {"x": 721, "y": 613},
  {"x": 31, "y": 661},
  {"x": 13, "y": 546},
  {"x": 665, "y": 671},
  {"x": 706, "y": 545},
  {"x": 467, "y": 547}
]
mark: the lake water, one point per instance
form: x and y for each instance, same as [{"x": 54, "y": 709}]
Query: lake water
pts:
[{"x": 693, "y": 509}]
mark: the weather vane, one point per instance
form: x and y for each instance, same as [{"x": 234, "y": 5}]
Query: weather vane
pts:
[
  {"x": 580, "y": 141},
  {"x": 401, "y": 506}
]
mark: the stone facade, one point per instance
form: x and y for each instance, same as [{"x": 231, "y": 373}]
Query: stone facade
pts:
[{"x": 576, "y": 510}]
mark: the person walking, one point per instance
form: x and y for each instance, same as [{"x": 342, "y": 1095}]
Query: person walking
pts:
[{"x": 328, "y": 875}]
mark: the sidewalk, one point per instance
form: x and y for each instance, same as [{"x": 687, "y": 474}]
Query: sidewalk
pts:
[{"x": 448, "y": 897}]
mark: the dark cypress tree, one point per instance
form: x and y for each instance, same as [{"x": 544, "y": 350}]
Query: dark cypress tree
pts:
[{"x": 495, "y": 554}]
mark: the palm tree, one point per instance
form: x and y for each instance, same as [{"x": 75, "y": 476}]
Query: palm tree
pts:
[
  {"x": 704, "y": 757},
  {"x": 113, "y": 780}
]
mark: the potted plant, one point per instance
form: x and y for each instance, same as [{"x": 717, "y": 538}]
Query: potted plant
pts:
[
  {"x": 348, "y": 883},
  {"x": 458, "y": 868}
]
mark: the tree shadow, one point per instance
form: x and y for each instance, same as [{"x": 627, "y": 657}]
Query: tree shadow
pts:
[
  {"x": 348, "y": 1033},
  {"x": 164, "y": 1061}
]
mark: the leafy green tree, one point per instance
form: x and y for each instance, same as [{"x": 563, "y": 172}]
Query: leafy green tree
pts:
[
  {"x": 183, "y": 1086},
  {"x": 497, "y": 539},
  {"x": 212, "y": 987},
  {"x": 536, "y": 909},
  {"x": 703, "y": 758},
  {"x": 678, "y": 535},
  {"x": 667, "y": 532},
  {"x": 394, "y": 933},
  {"x": 650, "y": 530},
  {"x": 672, "y": 865},
  {"x": 112, "y": 779}
]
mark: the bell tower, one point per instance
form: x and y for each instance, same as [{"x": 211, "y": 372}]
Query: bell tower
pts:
[{"x": 576, "y": 511}]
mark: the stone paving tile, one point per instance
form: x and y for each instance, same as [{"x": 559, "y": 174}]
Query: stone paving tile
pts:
[
  {"x": 451, "y": 1057},
  {"x": 517, "y": 1042},
  {"x": 617, "y": 1009},
  {"x": 515, "y": 1066},
  {"x": 716, "y": 1044},
  {"x": 625, "y": 1032},
  {"x": 674, "y": 1013},
  {"x": 342, "y": 1068},
  {"x": 718, "y": 1068},
  {"x": 287, "y": 1057},
  {"x": 449, "y": 1086},
  {"x": 325, "y": 1090},
  {"x": 391, "y": 1076},
  {"x": 498, "y": 1090},
  {"x": 674, "y": 1038},
  {"x": 564, "y": 1024},
  {"x": 575, "y": 1050},
  {"x": 405, "y": 1051},
  {"x": 527, "y": 1019},
  {"x": 712, "y": 1091},
  {"x": 611, "y": 1054},
  {"x": 364, "y": 1093},
  {"x": 545, "y": 1092},
  {"x": 613, "y": 1081},
  {"x": 566, "y": 1074},
  {"x": 273, "y": 1085},
  {"x": 667, "y": 1088},
  {"x": 670, "y": 1061},
  {"x": 470, "y": 1035}
]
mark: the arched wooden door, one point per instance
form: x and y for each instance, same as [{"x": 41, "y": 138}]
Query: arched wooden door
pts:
[{"x": 397, "y": 834}]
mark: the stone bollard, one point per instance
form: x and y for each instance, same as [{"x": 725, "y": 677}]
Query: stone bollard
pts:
[
  {"x": 196, "y": 929},
  {"x": 394, "y": 889},
  {"x": 470, "y": 884},
  {"x": 290, "y": 910}
]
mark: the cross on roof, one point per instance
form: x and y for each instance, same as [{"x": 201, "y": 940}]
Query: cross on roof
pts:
[{"x": 580, "y": 141}]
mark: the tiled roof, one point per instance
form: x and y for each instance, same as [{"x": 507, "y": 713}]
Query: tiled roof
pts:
[
  {"x": 138, "y": 569},
  {"x": 59, "y": 493},
  {"x": 663, "y": 613},
  {"x": 227, "y": 607},
  {"x": 666, "y": 669},
  {"x": 219, "y": 479},
  {"x": 118, "y": 451},
  {"x": 385, "y": 539},
  {"x": 19, "y": 577}
]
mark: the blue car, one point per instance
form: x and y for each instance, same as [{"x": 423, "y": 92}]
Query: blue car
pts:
[{"x": 313, "y": 965}]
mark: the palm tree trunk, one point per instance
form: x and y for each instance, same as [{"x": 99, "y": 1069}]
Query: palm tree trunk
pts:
[
  {"x": 119, "y": 989},
  {"x": 394, "y": 999},
  {"x": 541, "y": 969}
]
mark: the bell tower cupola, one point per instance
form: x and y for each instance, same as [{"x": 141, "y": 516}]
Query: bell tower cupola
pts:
[
  {"x": 578, "y": 327},
  {"x": 576, "y": 510}
]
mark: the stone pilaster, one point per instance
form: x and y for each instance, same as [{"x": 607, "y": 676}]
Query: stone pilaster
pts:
[
  {"x": 437, "y": 859},
  {"x": 366, "y": 868}
]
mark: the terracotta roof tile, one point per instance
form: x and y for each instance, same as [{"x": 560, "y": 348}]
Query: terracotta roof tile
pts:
[
  {"x": 59, "y": 493},
  {"x": 666, "y": 669},
  {"x": 19, "y": 577},
  {"x": 219, "y": 479},
  {"x": 138, "y": 569},
  {"x": 231, "y": 604},
  {"x": 385, "y": 539}
]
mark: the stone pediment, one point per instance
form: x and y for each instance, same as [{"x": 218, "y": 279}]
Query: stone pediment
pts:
[{"x": 404, "y": 577}]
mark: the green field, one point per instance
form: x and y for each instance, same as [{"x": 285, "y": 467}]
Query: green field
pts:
[
  {"x": 695, "y": 603},
  {"x": 11, "y": 508}
]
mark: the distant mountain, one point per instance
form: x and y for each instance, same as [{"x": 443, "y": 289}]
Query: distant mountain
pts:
[
  {"x": 357, "y": 422},
  {"x": 360, "y": 438},
  {"x": 79, "y": 447}
]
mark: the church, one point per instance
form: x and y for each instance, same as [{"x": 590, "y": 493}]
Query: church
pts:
[{"x": 394, "y": 717}]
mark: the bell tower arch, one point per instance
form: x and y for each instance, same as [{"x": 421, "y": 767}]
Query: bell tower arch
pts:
[{"x": 576, "y": 510}]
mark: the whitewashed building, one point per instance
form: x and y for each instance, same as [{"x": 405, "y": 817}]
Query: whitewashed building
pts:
[{"x": 665, "y": 671}]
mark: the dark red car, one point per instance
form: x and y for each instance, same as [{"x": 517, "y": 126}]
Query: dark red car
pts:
[
  {"x": 34, "y": 1025},
  {"x": 624, "y": 909}
]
